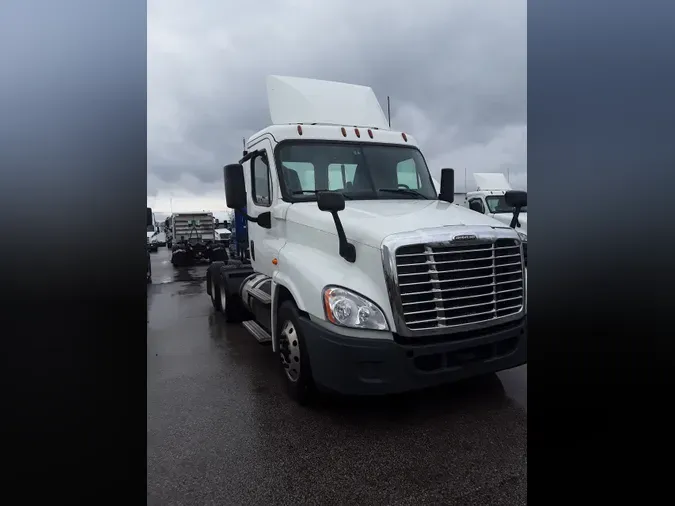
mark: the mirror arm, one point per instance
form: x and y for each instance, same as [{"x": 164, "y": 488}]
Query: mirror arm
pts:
[
  {"x": 346, "y": 249},
  {"x": 514, "y": 220},
  {"x": 252, "y": 219}
]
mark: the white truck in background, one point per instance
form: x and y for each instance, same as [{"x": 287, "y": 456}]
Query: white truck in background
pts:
[
  {"x": 223, "y": 236},
  {"x": 364, "y": 278},
  {"x": 223, "y": 233},
  {"x": 151, "y": 232},
  {"x": 490, "y": 199}
]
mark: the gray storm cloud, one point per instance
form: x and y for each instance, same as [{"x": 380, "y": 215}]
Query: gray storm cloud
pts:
[{"x": 455, "y": 71}]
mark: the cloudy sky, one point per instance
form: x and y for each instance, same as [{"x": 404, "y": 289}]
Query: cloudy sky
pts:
[{"x": 456, "y": 72}]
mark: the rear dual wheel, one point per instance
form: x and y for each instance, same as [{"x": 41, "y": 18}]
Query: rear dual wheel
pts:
[{"x": 229, "y": 304}]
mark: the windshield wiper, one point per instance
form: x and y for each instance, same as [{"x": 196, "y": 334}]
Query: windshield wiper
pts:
[
  {"x": 403, "y": 191},
  {"x": 300, "y": 192}
]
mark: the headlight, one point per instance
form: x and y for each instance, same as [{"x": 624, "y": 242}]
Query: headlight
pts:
[
  {"x": 523, "y": 237},
  {"x": 348, "y": 309}
]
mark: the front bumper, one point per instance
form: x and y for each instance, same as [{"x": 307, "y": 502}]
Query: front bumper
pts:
[{"x": 356, "y": 366}]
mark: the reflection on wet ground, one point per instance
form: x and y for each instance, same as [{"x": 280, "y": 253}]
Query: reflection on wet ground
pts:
[{"x": 221, "y": 429}]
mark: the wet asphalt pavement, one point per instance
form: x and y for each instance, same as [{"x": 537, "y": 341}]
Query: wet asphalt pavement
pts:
[{"x": 222, "y": 431}]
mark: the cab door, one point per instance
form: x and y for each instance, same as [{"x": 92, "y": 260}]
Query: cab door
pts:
[{"x": 264, "y": 244}]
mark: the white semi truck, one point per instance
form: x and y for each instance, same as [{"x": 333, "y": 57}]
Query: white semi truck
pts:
[{"x": 364, "y": 278}]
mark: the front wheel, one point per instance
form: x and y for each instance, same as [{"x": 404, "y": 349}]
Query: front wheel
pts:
[{"x": 295, "y": 364}]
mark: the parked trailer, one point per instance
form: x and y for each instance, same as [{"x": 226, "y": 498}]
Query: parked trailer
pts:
[
  {"x": 194, "y": 239},
  {"x": 362, "y": 277}
]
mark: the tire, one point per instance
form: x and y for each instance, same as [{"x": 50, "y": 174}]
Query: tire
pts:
[
  {"x": 230, "y": 305},
  {"x": 179, "y": 259},
  {"x": 215, "y": 297},
  {"x": 293, "y": 358},
  {"x": 218, "y": 255}
]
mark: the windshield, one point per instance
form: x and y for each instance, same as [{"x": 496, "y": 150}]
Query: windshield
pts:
[
  {"x": 497, "y": 204},
  {"x": 359, "y": 171}
]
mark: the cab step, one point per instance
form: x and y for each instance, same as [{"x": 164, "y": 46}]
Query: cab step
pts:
[{"x": 257, "y": 331}]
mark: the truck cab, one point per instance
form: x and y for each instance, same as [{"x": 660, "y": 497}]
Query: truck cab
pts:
[{"x": 363, "y": 278}]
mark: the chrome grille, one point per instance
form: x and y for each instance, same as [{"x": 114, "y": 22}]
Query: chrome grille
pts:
[{"x": 443, "y": 285}]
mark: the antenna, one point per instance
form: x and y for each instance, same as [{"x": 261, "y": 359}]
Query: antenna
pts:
[
  {"x": 243, "y": 140},
  {"x": 466, "y": 188},
  {"x": 508, "y": 175},
  {"x": 388, "y": 111}
]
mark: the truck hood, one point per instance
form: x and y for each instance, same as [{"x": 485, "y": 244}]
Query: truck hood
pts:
[
  {"x": 370, "y": 221},
  {"x": 507, "y": 217}
]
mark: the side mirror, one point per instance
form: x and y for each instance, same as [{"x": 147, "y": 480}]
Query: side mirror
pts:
[
  {"x": 264, "y": 220},
  {"x": 148, "y": 218},
  {"x": 235, "y": 188},
  {"x": 331, "y": 202},
  {"x": 235, "y": 194},
  {"x": 447, "y": 192},
  {"x": 515, "y": 198}
]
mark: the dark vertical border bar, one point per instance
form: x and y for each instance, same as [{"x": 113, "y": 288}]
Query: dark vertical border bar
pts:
[
  {"x": 601, "y": 153},
  {"x": 72, "y": 207}
]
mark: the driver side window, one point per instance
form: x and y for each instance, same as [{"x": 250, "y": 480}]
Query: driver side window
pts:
[
  {"x": 261, "y": 182},
  {"x": 477, "y": 205}
]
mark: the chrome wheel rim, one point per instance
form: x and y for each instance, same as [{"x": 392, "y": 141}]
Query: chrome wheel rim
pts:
[{"x": 289, "y": 351}]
